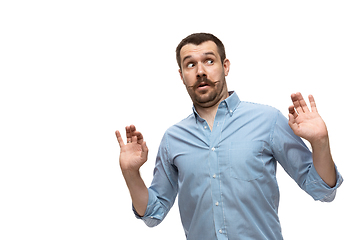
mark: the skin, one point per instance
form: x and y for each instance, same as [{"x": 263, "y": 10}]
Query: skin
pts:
[
  {"x": 132, "y": 156},
  {"x": 203, "y": 75},
  {"x": 309, "y": 125}
]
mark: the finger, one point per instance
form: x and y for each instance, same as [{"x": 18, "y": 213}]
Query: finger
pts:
[
  {"x": 133, "y": 139},
  {"x": 144, "y": 147},
  {"x": 292, "y": 122},
  {"x": 132, "y": 128},
  {"x": 302, "y": 102},
  {"x": 292, "y": 111},
  {"x": 296, "y": 103},
  {"x": 120, "y": 141},
  {"x": 139, "y": 136},
  {"x": 299, "y": 103},
  {"x": 312, "y": 103},
  {"x": 145, "y": 150},
  {"x": 128, "y": 134}
]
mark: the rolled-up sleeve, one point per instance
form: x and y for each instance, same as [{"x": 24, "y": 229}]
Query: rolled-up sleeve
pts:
[
  {"x": 163, "y": 189},
  {"x": 154, "y": 213},
  {"x": 318, "y": 189},
  {"x": 296, "y": 159}
]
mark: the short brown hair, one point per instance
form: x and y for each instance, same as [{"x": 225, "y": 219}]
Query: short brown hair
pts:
[{"x": 197, "y": 39}]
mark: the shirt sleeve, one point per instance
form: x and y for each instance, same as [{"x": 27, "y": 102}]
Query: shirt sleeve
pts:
[
  {"x": 294, "y": 156},
  {"x": 163, "y": 189}
]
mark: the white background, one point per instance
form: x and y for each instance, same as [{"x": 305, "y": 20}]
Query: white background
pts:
[{"x": 73, "y": 72}]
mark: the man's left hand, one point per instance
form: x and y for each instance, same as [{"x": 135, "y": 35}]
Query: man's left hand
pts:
[{"x": 305, "y": 123}]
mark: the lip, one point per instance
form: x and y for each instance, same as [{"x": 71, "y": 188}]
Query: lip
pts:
[{"x": 203, "y": 85}]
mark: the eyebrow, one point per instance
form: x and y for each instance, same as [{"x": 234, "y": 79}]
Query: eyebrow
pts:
[{"x": 207, "y": 53}]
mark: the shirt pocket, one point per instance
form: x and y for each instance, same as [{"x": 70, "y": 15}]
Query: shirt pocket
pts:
[{"x": 246, "y": 161}]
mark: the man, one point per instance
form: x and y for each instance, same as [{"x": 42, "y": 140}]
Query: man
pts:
[{"x": 221, "y": 160}]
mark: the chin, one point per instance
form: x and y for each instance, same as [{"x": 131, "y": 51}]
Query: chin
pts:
[{"x": 206, "y": 100}]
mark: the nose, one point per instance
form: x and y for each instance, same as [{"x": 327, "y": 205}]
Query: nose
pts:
[{"x": 200, "y": 71}]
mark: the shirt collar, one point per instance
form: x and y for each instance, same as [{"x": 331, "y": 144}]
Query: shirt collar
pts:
[{"x": 232, "y": 102}]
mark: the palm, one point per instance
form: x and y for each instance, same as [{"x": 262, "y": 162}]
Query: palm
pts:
[
  {"x": 133, "y": 154},
  {"x": 305, "y": 123}
]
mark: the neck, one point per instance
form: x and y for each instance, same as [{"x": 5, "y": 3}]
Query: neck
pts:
[{"x": 209, "y": 113}]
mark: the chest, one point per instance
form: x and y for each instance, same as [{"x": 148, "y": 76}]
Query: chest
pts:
[{"x": 237, "y": 149}]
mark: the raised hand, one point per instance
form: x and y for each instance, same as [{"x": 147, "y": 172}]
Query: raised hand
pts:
[
  {"x": 134, "y": 153},
  {"x": 305, "y": 123}
]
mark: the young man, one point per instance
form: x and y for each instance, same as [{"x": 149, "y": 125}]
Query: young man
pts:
[{"x": 221, "y": 160}]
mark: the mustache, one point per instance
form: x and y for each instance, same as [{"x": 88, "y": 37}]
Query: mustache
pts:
[{"x": 203, "y": 81}]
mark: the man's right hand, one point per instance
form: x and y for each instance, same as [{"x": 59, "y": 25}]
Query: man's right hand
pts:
[
  {"x": 132, "y": 156},
  {"x": 134, "y": 153}
]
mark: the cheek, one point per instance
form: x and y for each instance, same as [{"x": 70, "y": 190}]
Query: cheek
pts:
[
  {"x": 188, "y": 80},
  {"x": 217, "y": 74}
]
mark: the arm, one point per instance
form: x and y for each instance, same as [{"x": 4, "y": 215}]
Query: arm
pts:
[
  {"x": 310, "y": 126},
  {"x": 132, "y": 156}
]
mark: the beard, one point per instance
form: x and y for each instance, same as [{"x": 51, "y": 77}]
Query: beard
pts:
[
  {"x": 206, "y": 97},
  {"x": 209, "y": 96}
]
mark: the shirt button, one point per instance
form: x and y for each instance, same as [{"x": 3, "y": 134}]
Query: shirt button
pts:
[
  {"x": 220, "y": 231},
  {"x": 231, "y": 111},
  {"x": 213, "y": 149},
  {"x": 217, "y": 203},
  {"x": 205, "y": 127},
  {"x": 214, "y": 176}
]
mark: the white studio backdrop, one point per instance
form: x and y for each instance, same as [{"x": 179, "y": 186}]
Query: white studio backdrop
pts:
[{"x": 73, "y": 72}]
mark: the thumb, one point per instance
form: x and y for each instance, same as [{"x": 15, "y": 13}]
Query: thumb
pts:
[
  {"x": 292, "y": 123},
  {"x": 144, "y": 148}
]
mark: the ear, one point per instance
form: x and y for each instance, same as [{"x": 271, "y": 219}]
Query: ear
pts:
[
  {"x": 181, "y": 76},
  {"x": 226, "y": 66}
]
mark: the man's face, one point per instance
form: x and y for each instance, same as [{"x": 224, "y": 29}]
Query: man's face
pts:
[{"x": 203, "y": 73}]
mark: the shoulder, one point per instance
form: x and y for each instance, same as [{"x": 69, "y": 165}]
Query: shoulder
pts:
[
  {"x": 179, "y": 135},
  {"x": 256, "y": 108},
  {"x": 184, "y": 125}
]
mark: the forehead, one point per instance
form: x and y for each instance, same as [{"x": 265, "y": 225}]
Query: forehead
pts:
[{"x": 194, "y": 50}]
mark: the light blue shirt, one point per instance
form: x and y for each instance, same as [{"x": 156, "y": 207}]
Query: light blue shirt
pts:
[{"x": 225, "y": 179}]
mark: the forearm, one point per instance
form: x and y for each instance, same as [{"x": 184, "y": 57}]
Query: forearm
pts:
[
  {"x": 138, "y": 191},
  {"x": 323, "y": 161}
]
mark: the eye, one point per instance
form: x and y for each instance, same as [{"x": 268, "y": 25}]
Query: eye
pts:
[
  {"x": 209, "y": 61},
  {"x": 190, "y": 65}
]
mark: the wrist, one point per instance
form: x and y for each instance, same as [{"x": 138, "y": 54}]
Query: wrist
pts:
[
  {"x": 320, "y": 143},
  {"x": 132, "y": 178},
  {"x": 130, "y": 173}
]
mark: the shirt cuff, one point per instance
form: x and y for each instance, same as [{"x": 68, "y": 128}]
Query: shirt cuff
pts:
[
  {"x": 318, "y": 189},
  {"x": 154, "y": 211}
]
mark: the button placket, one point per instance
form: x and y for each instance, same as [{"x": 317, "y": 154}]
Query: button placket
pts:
[{"x": 215, "y": 171}]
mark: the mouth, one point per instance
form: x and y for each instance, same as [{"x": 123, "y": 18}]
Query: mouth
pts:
[{"x": 203, "y": 85}]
